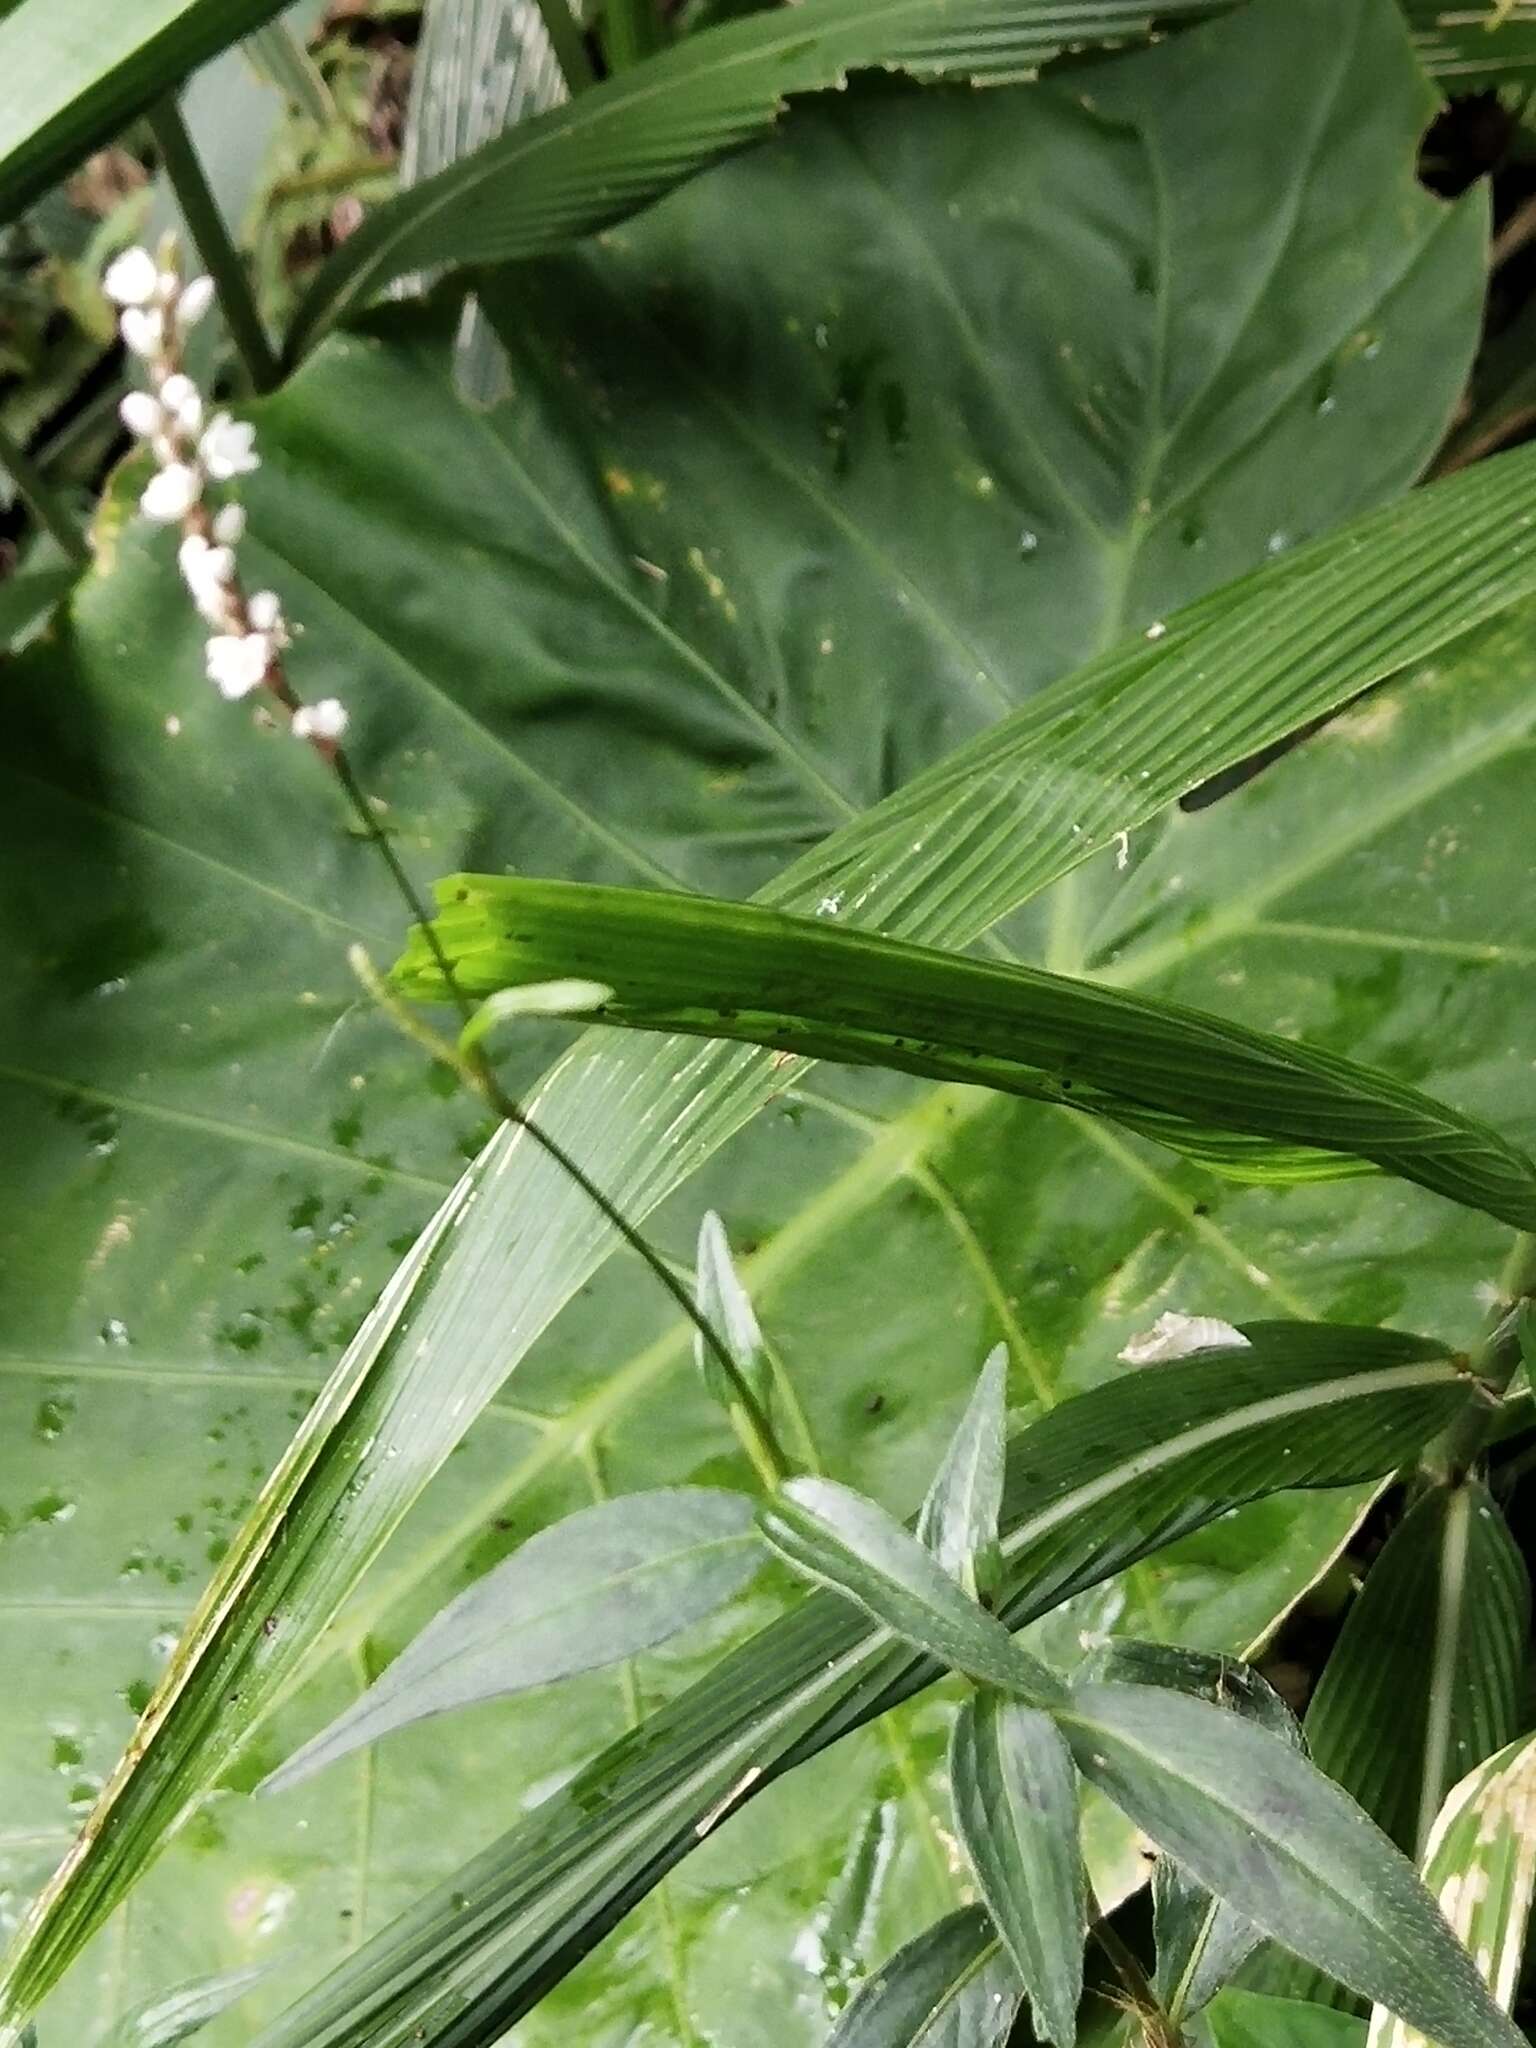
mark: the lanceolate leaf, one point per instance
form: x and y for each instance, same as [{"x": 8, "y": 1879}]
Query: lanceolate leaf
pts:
[
  {"x": 834, "y": 1535},
  {"x": 1093, "y": 1485},
  {"x": 951, "y": 1987},
  {"x": 76, "y": 72},
  {"x": 582, "y": 165},
  {"x": 1264, "y": 1829},
  {"x": 958, "y": 1522},
  {"x": 1014, "y": 1788},
  {"x": 177, "y": 2015},
  {"x": 724, "y": 1302},
  {"x": 738, "y": 970},
  {"x": 605, "y": 1584},
  {"x": 1428, "y": 1675},
  {"x": 1200, "y": 1941},
  {"x": 468, "y": 583},
  {"x": 1480, "y": 1863}
]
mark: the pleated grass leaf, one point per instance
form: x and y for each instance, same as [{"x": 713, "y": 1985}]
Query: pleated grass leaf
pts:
[
  {"x": 1480, "y": 1863},
  {"x": 739, "y": 970},
  {"x": 940, "y": 861},
  {"x": 1263, "y": 1829},
  {"x": 583, "y": 165},
  {"x": 1091, "y": 1487}
]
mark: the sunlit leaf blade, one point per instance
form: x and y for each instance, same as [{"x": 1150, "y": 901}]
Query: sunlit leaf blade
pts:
[
  {"x": 177, "y": 2015},
  {"x": 76, "y": 72},
  {"x": 1014, "y": 1788},
  {"x": 1200, "y": 1941},
  {"x": 603, "y": 1585},
  {"x": 958, "y": 1521},
  {"x": 1480, "y": 1863},
  {"x": 1250, "y": 2019},
  {"x": 839, "y": 1538},
  {"x": 950, "y": 1987},
  {"x": 740, "y": 970},
  {"x": 1093, "y": 1485},
  {"x": 1427, "y": 1677},
  {"x": 582, "y": 165},
  {"x": 726, "y": 1306},
  {"x": 433, "y": 503},
  {"x": 1262, "y": 1828}
]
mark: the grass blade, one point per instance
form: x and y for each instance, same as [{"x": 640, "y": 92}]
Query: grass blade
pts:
[{"x": 958, "y": 1522}]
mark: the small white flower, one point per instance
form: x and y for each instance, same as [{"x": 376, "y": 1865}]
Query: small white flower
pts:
[
  {"x": 141, "y": 414},
  {"x": 171, "y": 493},
  {"x": 229, "y": 524},
  {"x": 1176, "y": 1336},
  {"x": 182, "y": 399},
  {"x": 167, "y": 287},
  {"x": 265, "y": 611},
  {"x": 132, "y": 278},
  {"x": 196, "y": 298},
  {"x": 326, "y": 720},
  {"x": 228, "y": 447},
  {"x": 237, "y": 662},
  {"x": 143, "y": 330},
  {"x": 207, "y": 569}
]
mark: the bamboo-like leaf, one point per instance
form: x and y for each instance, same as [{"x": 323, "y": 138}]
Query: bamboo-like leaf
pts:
[
  {"x": 175, "y": 2016},
  {"x": 1200, "y": 1940},
  {"x": 838, "y": 1538},
  {"x": 1472, "y": 45},
  {"x": 1480, "y": 1863},
  {"x": 590, "y": 162},
  {"x": 743, "y": 971},
  {"x": 1250, "y": 2019},
  {"x": 1427, "y": 1677},
  {"x": 950, "y": 1987},
  {"x": 1015, "y": 1797},
  {"x": 958, "y": 1522},
  {"x": 1263, "y": 1829},
  {"x": 76, "y": 72},
  {"x": 726, "y": 1305},
  {"x": 1093, "y": 1485},
  {"x": 603, "y": 1585}
]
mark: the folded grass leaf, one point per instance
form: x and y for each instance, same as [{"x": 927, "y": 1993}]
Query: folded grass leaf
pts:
[
  {"x": 1264, "y": 1830},
  {"x": 802, "y": 985},
  {"x": 1014, "y": 1788},
  {"x": 603, "y": 1585},
  {"x": 958, "y": 1522}
]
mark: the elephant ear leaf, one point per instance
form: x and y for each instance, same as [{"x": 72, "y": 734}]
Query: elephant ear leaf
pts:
[{"x": 1263, "y": 1829}]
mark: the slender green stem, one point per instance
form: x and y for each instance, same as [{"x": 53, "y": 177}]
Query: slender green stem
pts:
[
  {"x": 209, "y": 232},
  {"x": 477, "y": 1073},
  {"x": 1493, "y": 1365},
  {"x": 1139, "y": 1997},
  {"x": 47, "y": 504},
  {"x": 631, "y": 30},
  {"x": 568, "y": 44}
]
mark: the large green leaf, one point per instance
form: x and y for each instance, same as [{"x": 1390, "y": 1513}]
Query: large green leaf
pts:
[
  {"x": 737, "y": 970},
  {"x": 76, "y": 72},
  {"x": 468, "y": 582},
  {"x": 1092, "y": 1486},
  {"x": 575, "y": 168}
]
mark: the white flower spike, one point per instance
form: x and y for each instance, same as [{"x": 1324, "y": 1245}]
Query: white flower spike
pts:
[
  {"x": 265, "y": 611},
  {"x": 228, "y": 447},
  {"x": 132, "y": 279},
  {"x": 182, "y": 399},
  {"x": 1175, "y": 1336},
  {"x": 171, "y": 493},
  {"x": 143, "y": 330},
  {"x": 326, "y": 720},
  {"x": 229, "y": 524},
  {"x": 237, "y": 662}
]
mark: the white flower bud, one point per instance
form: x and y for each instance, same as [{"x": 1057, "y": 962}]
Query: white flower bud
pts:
[
  {"x": 205, "y": 568},
  {"x": 141, "y": 414},
  {"x": 196, "y": 298},
  {"x": 229, "y": 524},
  {"x": 143, "y": 330},
  {"x": 132, "y": 278},
  {"x": 326, "y": 720},
  {"x": 227, "y": 447},
  {"x": 171, "y": 493},
  {"x": 237, "y": 662},
  {"x": 182, "y": 399},
  {"x": 264, "y": 611}
]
